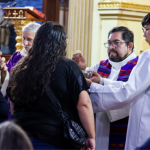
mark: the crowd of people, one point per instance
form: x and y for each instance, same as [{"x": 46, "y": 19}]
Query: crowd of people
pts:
[{"x": 118, "y": 88}]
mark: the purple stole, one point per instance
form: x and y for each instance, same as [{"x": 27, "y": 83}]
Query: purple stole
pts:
[
  {"x": 118, "y": 128},
  {"x": 14, "y": 59},
  {"x": 105, "y": 69}
]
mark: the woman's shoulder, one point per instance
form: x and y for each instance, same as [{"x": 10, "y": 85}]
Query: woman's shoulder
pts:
[{"x": 68, "y": 62}]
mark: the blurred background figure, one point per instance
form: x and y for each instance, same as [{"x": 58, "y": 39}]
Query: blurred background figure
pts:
[
  {"x": 13, "y": 137},
  {"x": 1, "y": 18},
  {"x": 1, "y": 13},
  {"x": 5, "y": 36}
]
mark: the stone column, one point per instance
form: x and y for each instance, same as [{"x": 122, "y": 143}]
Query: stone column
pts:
[{"x": 80, "y": 28}]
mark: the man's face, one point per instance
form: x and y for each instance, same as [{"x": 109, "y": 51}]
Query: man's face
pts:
[
  {"x": 146, "y": 33},
  {"x": 28, "y": 37},
  {"x": 118, "y": 50}
]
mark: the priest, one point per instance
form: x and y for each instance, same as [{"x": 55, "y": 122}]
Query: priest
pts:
[
  {"x": 29, "y": 32},
  {"x": 136, "y": 91},
  {"x": 122, "y": 59}
]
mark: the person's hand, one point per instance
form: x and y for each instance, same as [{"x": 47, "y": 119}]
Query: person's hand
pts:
[
  {"x": 96, "y": 77},
  {"x": 88, "y": 81},
  {"x": 90, "y": 144},
  {"x": 3, "y": 66},
  {"x": 79, "y": 59}
]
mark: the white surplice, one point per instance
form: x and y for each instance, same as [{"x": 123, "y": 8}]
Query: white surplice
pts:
[
  {"x": 6, "y": 81},
  {"x": 120, "y": 94},
  {"x": 104, "y": 118}
]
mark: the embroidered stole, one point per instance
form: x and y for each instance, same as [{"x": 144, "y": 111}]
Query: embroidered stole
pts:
[
  {"x": 105, "y": 69},
  {"x": 118, "y": 128}
]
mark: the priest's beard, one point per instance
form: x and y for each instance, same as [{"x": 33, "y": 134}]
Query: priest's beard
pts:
[{"x": 116, "y": 58}]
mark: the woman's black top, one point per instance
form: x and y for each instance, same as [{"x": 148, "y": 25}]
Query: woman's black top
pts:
[
  {"x": 4, "y": 108},
  {"x": 42, "y": 121}
]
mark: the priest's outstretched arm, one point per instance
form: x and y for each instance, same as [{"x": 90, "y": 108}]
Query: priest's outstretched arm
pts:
[
  {"x": 113, "y": 115},
  {"x": 120, "y": 94}
]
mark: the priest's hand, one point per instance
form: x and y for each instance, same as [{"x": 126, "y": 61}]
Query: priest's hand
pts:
[
  {"x": 3, "y": 68},
  {"x": 89, "y": 82},
  {"x": 79, "y": 59},
  {"x": 96, "y": 77}
]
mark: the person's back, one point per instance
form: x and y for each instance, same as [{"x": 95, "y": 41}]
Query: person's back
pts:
[
  {"x": 47, "y": 66},
  {"x": 66, "y": 86}
]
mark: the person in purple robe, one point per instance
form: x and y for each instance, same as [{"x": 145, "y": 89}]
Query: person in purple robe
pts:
[{"x": 29, "y": 32}]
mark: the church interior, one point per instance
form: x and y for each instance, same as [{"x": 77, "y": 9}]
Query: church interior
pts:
[
  {"x": 89, "y": 27},
  {"x": 85, "y": 19}
]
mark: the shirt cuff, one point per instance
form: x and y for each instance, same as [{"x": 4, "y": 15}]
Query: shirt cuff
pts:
[
  {"x": 112, "y": 115},
  {"x": 96, "y": 97},
  {"x": 102, "y": 81},
  {"x": 107, "y": 81},
  {"x": 96, "y": 88}
]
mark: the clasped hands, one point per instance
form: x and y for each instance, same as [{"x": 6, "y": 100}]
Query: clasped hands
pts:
[
  {"x": 96, "y": 78},
  {"x": 79, "y": 59},
  {"x": 2, "y": 64},
  {"x": 3, "y": 68}
]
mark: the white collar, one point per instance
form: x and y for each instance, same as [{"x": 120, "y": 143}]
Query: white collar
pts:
[
  {"x": 23, "y": 52},
  {"x": 122, "y": 63}
]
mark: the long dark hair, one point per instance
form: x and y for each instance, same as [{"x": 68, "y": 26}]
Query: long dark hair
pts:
[{"x": 32, "y": 74}]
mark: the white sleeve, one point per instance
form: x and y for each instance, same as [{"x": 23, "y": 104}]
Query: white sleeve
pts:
[
  {"x": 112, "y": 97},
  {"x": 5, "y": 84},
  {"x": 117, "y": 114},
  {"x": 112, "y": 82},
  {"x": 94, "y": 67}
]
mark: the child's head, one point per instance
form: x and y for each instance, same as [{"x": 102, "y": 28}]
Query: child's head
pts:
[{"x": 13, "y": 137}]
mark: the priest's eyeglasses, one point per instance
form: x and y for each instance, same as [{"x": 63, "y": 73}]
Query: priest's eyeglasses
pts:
[{"x": 115, "y": 44}]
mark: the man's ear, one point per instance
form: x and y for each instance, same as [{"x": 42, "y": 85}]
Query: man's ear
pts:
[{"x": 130, "y": 46}]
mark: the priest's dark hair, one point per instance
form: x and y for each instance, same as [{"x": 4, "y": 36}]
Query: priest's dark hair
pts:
[
  {"x": 127, "y": 35},
  {"x": 32, "y": 73},
  {"x": 146, "y": 20}
]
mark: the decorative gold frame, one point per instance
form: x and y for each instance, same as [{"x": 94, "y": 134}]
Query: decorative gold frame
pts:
[
  {"x": 21, "y": 17},
  {"x": 122, "y": 4}
]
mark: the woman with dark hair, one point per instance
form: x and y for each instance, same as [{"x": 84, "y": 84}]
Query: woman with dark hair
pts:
[
  {"x": 45, "y": 65},
  {"x": 13, "y": 137}
]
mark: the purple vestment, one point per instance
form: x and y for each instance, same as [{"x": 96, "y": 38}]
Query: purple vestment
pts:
[
  {"x": 13, "y": 60},
  {"x": 11, "y": 63}
]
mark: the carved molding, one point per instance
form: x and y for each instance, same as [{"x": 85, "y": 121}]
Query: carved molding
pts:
[{"x": 127, "y": 5}]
